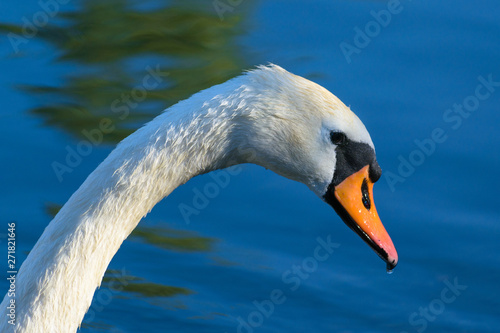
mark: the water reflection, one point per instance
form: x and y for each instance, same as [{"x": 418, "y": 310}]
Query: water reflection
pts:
[
  {"x": 120, "y": 284},
  {"x": 160, "y": 236},
  {"x": 170, "y": 239},
  {"x": 123, "y": 285},
  {"x": 136, "y": 285},
  {"x": 115, "y": 44}
]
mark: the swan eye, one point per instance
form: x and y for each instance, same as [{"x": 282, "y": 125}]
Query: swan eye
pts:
[{"x": 338, "y": 138}]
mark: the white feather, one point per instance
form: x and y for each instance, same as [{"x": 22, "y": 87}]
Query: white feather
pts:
[{"x": 267, "y": 116}]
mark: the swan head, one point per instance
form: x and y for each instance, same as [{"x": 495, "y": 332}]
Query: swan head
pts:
[{"x": 303, "y": 132}]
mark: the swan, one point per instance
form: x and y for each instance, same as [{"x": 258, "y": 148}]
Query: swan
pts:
[{"x": 266, "y": 116}]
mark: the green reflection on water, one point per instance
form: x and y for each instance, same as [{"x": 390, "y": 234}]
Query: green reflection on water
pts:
[
  {"x": 160, "y": 236},
  {"x": 120, "y": 284},
  {"x": 123, "y": 283},
  {"x": 171, "y": 239},
  {"x": 132, "y": 284},
  {"x": 114, "y": 46}
]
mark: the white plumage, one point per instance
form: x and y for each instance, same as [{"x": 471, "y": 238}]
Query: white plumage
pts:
[{"x": 267, "y": 116}]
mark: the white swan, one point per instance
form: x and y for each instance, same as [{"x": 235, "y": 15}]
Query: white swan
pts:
[{"x": 267, "y": 116}]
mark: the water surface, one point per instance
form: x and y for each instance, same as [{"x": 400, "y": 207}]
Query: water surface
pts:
[{"x": 214, "y": 273}]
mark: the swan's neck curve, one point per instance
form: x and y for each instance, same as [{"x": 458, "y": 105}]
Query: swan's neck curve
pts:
[{"x": 56, "y": 283}]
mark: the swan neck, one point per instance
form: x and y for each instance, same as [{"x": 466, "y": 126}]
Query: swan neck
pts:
[{"x": 57, "y": 281}]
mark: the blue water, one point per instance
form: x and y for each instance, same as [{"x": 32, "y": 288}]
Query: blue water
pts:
[{"x": 442, "y": 213}]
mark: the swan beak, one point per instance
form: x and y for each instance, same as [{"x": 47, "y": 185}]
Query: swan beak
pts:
[{"x": 356, "y": 207}]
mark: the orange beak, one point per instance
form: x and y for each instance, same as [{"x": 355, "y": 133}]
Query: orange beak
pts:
[{"x": 356, "y": 207}]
